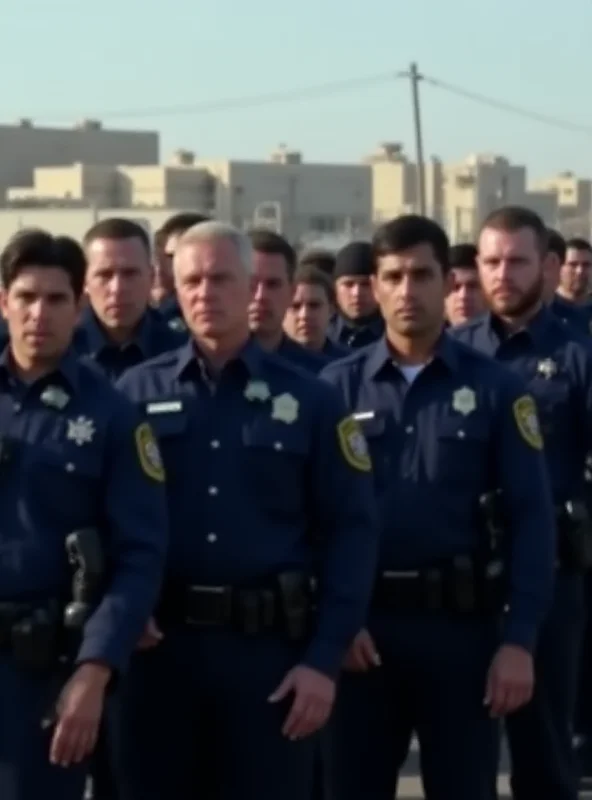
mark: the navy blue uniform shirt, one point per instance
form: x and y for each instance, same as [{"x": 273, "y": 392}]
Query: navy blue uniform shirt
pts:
[
  {"x": 352, "y": 334},
  {"x": 76, "y": 454},
  {"x": 152, "y": 338},
  {"x": 170, "y": 311},
  {"x": 255, "y": 462},
  {"x": 465, "y": 426},
  {"x": 579, "y": 317},
  {"x": 334, "y": 351},
  {"x": 300, "y": 356},
  {"x": 558, "y": 371}
]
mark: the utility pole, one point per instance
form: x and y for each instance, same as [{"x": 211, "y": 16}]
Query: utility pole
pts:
[{"x": 415, "y": 78}]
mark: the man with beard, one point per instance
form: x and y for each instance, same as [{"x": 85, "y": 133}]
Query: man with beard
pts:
[
  {"x": 520, "y": 331},
  {"x": 445, "y": 425}
]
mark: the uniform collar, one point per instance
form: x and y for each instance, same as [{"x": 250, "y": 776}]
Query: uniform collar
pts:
[
  {"x": 66, "y": 372},
  {"x": 251, "y": 357},
  {"x": 98, "y": 340},
  {"x": 381, "y": 355},
  {"x": 535, "y": 330}
]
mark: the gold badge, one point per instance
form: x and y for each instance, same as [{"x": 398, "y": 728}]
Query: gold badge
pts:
[
  {"x": 527, "y": 420},
  {"x": 353, "y": 445},
  {"x": 149, "y": 453},
  {"x": 464, "y": 401},
  {"x": 284, "y": 408},
  {"x": 547, "y": 368}
]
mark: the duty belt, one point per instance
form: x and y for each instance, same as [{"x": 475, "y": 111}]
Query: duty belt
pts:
[
  {"x": 31, "y": 634},
  {"x": 284, "y": 604},
  {"x": 464, "y": 585}
]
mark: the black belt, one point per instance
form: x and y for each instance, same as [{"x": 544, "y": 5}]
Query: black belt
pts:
[
  {"x": 465, "y": 585},
  {"x": 283, "y": 605},
  {"x": 32, "y": 633}
]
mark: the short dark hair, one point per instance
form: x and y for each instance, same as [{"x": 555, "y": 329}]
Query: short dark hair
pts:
[
  {"x": 513, "y": 218},
  {"x": 556, "y": 244},
  {"x": 37, "y": 248},
  {"x": 179, "y": 223},
  {"x": 117, "y": 228},
  {"x": 463, "y": 256},
  {"x": 578, "y": 243},
  {"x": 408, "y": 231},
  {"x": 311, "y": 275},
  {"x": 322, "y": 260},
  {"x": 264, "y": 241}
]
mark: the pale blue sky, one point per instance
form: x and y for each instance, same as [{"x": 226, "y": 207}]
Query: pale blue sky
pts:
[{"x": 64, "y": 59}]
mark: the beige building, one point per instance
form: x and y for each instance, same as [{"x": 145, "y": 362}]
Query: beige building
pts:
[
  {"x": 395, "y": 184},
  {"x": 25, "y": 146},
  {"x": 573, "y": 197},
  {"x": 283, "y": 193}
]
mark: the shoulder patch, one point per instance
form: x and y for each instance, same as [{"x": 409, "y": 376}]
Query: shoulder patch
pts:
[
  {"x": 527, "y": 420},
  {"x": 353, "y": 444},
  {"x": 149, "y": 453}
]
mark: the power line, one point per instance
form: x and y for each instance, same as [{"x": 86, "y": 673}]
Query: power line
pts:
[
  {"x": 501, "y": 105},
  {"x": 249, "y": 101}
]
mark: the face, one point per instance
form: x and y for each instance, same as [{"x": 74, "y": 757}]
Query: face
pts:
[
  {"x": 575, "y": 272},
  {"x": 307, "y": 318},
  {"x": 272, "y": 293},
  {"x": 465, "y": 298},
  {"x": 511, "y": 270},
  {"x": 354, "y": 296},
  {"x": 213, "y": 288},
  {"x": 409, "y": 288},
  {"x": 41, "y": 311},
  {"x": 118, "y": 281},
  {"x": 551, "y": 271}
]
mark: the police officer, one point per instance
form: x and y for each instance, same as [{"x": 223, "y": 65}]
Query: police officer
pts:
[
  {"x": 523, "y": 334},
  {"x": 465, "y": 299},
  {"x": 447, "y": 428},
  {"x": 358, "y": 321},
  {"x": 74, "y": 455},
  {"x": 163, "y": 285},
  {"x": 308, "y": 316},
  {"x": 266, "y": 477},
  {"x": 274, "y": 263},
  {"x": 118, "y": 328},
  {"x": 572, "y": 300}
]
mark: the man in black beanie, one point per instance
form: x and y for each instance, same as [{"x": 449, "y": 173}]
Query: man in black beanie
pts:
[{"x": 358, "y": 321}]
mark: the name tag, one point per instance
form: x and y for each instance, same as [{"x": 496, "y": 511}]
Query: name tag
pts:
[
  {"x": 362, "y": 416},
  {"x": 170, "y": 407}
]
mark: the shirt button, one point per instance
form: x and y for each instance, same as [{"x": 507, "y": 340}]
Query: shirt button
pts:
[
  {"x": 278, "y": 446},
  {"x": 17, "y": 407},
  {"x": 211, "y": 537},
  {"x": 461, "y": 434},
  {"x": 213, "y": 490},
  {"x": 409, "y": 429},
  {"x": 214, "y": 444},
  {"x": 70, "y": 467}
]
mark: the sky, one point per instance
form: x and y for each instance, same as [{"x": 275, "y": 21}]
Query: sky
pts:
[{"x": 317, "y": 75}]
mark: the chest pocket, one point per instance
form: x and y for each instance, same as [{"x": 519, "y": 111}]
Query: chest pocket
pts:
[
  {"x": 462, "y": 444},
  {"x": 552, "y": 399},
  {"x": 381, "y": 449},
  {"x": 275, "y": 466},
  {"x": 170, "y": 429},
  {"x": 67, "y": 478}
]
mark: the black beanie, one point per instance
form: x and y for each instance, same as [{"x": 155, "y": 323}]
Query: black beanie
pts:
[{"x": 354, "y": 259}]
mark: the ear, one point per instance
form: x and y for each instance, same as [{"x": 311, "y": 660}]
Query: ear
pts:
[{"x": 374, "y": 286}]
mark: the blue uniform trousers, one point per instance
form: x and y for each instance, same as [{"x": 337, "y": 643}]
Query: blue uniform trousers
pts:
[
  {"x": 540, "y": 735},
  {"x": 25, "y": 770},
  {"x": 195, "y": 721},
  {"x": 431, "y": 682}
]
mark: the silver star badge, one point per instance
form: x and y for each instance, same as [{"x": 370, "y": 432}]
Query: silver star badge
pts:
[{"x": 81, "y": 430}]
